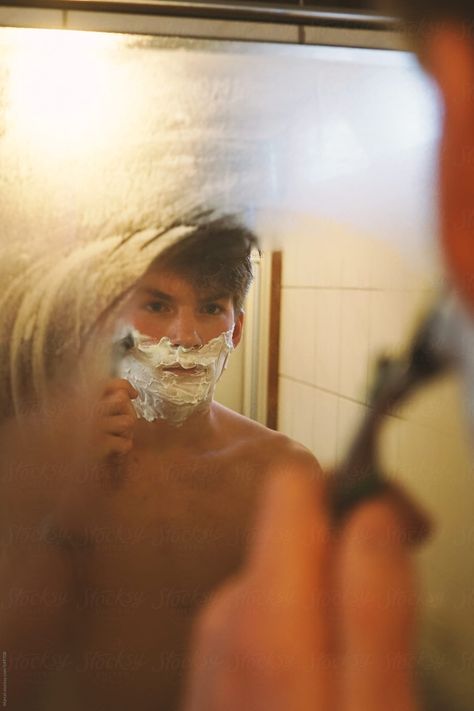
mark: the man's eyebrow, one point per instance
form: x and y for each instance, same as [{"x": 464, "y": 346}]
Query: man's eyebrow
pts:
[
  {"x": 216, "y": 296},
  {"x": 156, "y": 293}
]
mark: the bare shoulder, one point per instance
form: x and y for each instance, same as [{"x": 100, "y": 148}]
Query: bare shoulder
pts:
[
  {"x": 273, "y": 449},
  {"x": 290, "y": 456}
]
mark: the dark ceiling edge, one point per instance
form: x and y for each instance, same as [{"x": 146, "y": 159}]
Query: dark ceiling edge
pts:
[{"x": 243, "y": 12}]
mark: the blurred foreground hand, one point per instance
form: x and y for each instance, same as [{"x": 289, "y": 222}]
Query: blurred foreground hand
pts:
[{"x": 319, "y": 620}]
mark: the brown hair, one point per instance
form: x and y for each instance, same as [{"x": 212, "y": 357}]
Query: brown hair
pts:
[{"x": 215, "y": 254}]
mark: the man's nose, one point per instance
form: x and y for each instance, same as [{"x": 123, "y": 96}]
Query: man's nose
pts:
[{"x": 184, "y": 332}]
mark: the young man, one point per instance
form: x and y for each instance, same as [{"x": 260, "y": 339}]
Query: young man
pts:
[
  {"x": 192, "y": 469},
  {"x": 358, "y": 631},
  {"x": 136, "y": 545}
]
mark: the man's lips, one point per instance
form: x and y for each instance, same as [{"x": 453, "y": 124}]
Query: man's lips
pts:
[{"x": 180, "y": 370}]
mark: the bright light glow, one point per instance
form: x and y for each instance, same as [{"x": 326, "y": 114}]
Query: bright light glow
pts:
[{"x": 62, "y": 92}]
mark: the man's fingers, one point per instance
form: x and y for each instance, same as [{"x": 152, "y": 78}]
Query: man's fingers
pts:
[
  {"x": 119, "y": 424},
  {"x": 290, "y": 568},
  {"x": 416, "y": 524},
  {"x": 213, "y": 647},
  {"x": 114, "y": 419},
  {"x": 264, "y": 641},
  {"x": 269, "y": 639},
  {"x": 117, "y": 403},
  {"x": 292, "y": 530},
  {"x": 115, "y": 444},
  {"x": 116, "y": 384},
  {"x": 377, "y": 610}
]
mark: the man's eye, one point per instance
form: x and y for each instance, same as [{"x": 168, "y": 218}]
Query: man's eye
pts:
[
  {"x": 156, "y": 306},
  {"x": 213, "y": 309}
]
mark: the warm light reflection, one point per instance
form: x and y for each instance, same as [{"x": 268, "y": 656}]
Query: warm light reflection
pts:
[{"x": 63, "y": 91}]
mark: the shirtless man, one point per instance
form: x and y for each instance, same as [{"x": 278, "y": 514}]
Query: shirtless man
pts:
[
  {"x": 170, "y": 520},
  {"x": 190, "y": 484}
]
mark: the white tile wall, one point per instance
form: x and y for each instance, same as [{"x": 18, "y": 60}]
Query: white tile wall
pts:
[
  {"x": 316, "y": 253},
  {"x": 420, "y": 455},
  {"x": 290, "y": 266},
  {"x": 354, "y": 351},
  {"x": 325, "y": 427},
  {"x": 297, "y": 334},
  {"x": 355, "y": 262},
  {"x": 286, "y": 407},
  {"x": 391, "y": 316},
  {"x": 301, "y": 268},
  {"x": 439, "y": 407},
  {"x": 389, "y": 268},
  {"x": 327, "y": 339},
  {"x": 309, "y": 416},
  {"x": 296, "y": 414},
  {"x": 303, "y": 414},
  {"x": 323, "y": 256}
]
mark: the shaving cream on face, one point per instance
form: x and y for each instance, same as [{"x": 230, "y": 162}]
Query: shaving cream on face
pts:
[{"x": 174, "y": 396}]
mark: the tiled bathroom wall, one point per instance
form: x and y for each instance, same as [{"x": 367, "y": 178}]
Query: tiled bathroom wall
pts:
[
  {"x": 352, "y": 292},
  {"x": 334, "y": 326},
  {"x": 357, "y": 224}
]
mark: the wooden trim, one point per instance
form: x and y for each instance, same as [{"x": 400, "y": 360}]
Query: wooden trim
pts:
[{"x": 274, "y": 341}]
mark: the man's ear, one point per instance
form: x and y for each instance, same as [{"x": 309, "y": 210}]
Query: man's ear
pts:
[{"x": 239, "y": 324}]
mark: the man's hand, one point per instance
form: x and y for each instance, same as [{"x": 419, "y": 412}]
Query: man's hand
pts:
[
  {"x": 117, "y": 418},
  {"x": 319, "y": 620}
]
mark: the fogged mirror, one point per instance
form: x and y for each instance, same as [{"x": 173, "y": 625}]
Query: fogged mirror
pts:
[{"x": 329, "y": 155}]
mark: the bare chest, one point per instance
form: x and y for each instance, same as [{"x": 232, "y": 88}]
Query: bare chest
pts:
[
  {"x": 170, "y": 533},
  {"x": 173, "y": 526}
]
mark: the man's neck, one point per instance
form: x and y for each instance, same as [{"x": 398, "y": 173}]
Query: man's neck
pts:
[{"x": 198, "y": 432}]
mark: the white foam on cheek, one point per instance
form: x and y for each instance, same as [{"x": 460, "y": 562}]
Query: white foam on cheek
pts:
[
  {"x": 171, "y": 396},
  {"x": 164, "y": 354}
]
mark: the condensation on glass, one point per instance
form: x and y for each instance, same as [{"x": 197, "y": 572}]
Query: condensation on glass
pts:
[{"x": 107, "y": 139}]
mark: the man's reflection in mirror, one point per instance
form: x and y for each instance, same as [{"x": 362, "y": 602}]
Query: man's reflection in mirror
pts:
[{"x": 134, "y": 500}]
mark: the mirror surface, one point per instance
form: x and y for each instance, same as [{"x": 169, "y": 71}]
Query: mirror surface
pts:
[{"x": 329, "y": 154}]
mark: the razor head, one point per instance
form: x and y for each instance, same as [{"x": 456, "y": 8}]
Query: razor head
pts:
[
  {"x": 120, "y": 348},
  {"x": 430, "y": 355},
  {"x": 125, "y": 344}
]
